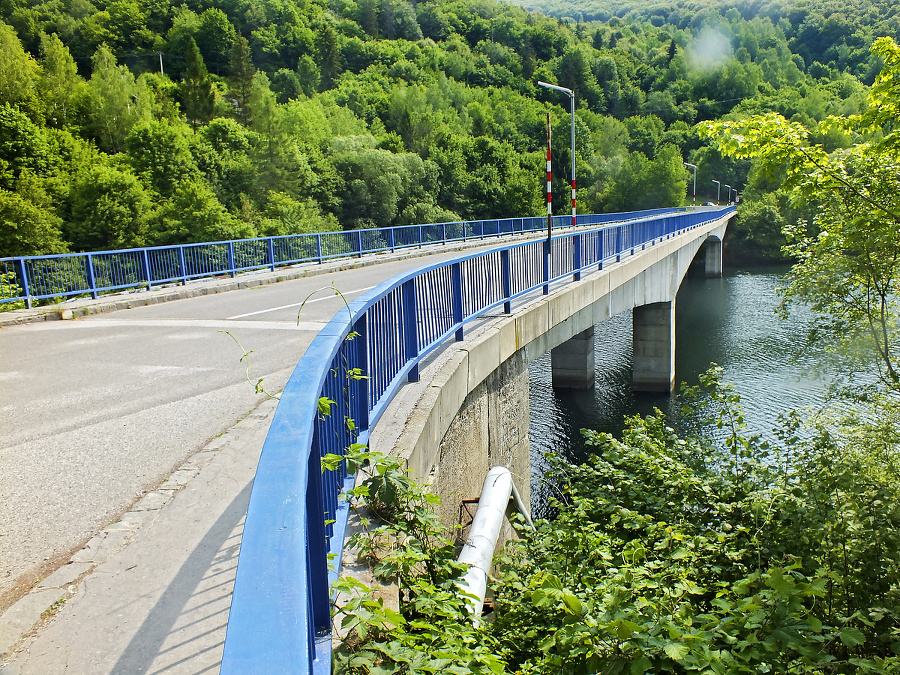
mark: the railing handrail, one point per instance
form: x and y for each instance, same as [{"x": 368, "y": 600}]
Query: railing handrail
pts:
[
  {"x": 279, "y": 619},
  {"x": 41, "y": 277}
]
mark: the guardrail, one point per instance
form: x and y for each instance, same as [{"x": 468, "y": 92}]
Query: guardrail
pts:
[
  {"x": 78, "y": 274},
  {"x": 280, "y": 613}
]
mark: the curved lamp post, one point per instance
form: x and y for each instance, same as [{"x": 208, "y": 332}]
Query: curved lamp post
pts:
[
  {"x": 694, "y": 167},
  {"x": 729, "y": 192},
  {"x": 718, "y": 190},
  {"x": 571, "y": 95}
]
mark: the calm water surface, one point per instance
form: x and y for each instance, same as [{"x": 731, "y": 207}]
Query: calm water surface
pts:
[{"x": 728, "y": 321}]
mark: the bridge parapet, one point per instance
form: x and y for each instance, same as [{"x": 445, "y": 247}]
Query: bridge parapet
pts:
[{"x": 280, "y": 619}]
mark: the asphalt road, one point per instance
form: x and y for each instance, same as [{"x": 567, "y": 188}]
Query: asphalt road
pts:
[{"x": 97, "y": 411}]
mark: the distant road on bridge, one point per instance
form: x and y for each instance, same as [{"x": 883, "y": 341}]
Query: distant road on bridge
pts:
[{"x": 96, "y": 411}]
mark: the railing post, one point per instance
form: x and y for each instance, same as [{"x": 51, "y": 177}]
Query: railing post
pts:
[
  {"x": 359, "y": 242},
  {"x": 548, "y": 249},
  {"x": 506, "y": 276},
  {"x": 576, "y": 257},
  {"x": 92, "y": 284},
  {"x": 410, "y": 334},
  {"x": 361, "y": 384},
  {"x": 319, "y": 248},
  {"x": 392, "y": 240},
  {"x": 145, "y": 261},
  {"x": 271, "y": 242},
  {"x": 444, "y": 231},
  {"x": 23, "y": 281},
  {"x": 182, "y": 265},
  {"x": 421, "y": 237},
  {"x": 231, "y": 264},
  {"x": 619, "y": 242},
  {"x": 456, "y": 300},
  {"x": 600, "y": 250}
]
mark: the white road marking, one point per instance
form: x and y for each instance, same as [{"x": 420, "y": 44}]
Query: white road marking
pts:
[
  {"x": 178, "y": 323},
  {"x": 298, "y": 304}
]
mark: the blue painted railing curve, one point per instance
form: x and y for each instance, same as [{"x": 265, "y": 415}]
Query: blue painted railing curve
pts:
[
  {"x": 280, "y": 614},
  {"x": 76, "y": 274}
]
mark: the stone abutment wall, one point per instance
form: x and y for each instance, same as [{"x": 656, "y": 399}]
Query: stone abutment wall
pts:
[{"x": 490, "y": 430}]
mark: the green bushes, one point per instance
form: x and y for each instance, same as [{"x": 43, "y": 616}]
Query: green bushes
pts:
[
  {"x": 710, "y": 554},
  {"x": 713, "y": 555}
]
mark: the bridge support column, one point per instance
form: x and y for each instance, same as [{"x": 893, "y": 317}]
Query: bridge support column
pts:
[
  {"x": 654, "y": 347},
  {"x": 713, "y": 258},
  {"x": 572, "y": 363}
]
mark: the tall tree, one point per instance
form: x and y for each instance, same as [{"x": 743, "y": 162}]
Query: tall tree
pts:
[
  {"x": 110, "y": 210},
  {"x": 26, "y": 228},
  {"x": 329, "y": 56},
  {"x": 60, "y": 83},
  {"x": 241, "y": 78},
  {"x": 19, "y": 74},
  {"x": 849, "y": 270},
  {"x": 197, "y": 95},
  {"x": 116, "y": 101},
  {"x": 215, "y": 38}
]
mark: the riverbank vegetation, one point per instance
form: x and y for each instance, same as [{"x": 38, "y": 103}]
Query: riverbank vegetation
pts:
[
  {"x": 848, "y": 255},
  {"x": 715, "y": 553},
  {"x": 127, "y": 123}
]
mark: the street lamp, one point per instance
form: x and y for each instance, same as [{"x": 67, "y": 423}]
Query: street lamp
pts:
[
  {"x": 694, "y": 167},
  {"x": 718, "y": 190},
  {"x": 571, "y": 95},
  {"x": 729, "y": 193}
]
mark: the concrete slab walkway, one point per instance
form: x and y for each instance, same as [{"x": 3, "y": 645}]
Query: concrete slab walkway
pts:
[{"x": 151, "y": 592}]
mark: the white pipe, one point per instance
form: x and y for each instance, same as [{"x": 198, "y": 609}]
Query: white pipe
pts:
[
  {"x": 478, "y": 552},
  {"x": 522, "y": 506}
]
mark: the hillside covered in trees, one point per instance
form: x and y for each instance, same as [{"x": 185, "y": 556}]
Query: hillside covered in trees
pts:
[{"x": 141, "y": 122}]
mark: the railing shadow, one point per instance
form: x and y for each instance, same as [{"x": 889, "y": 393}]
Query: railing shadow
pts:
[{"x": 185, "y": 631}]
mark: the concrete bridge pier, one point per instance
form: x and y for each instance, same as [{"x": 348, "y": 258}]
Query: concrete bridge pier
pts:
[
  {"x": 653, "y": 341},
  {"x": 712, "y": 258},
  {"x": 572, "y": 362}
]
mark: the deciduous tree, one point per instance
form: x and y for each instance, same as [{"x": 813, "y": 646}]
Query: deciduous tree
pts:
[{"x": 849, "y": 272}]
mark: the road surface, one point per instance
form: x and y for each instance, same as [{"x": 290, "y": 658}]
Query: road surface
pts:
[{"x": 97, "y": 411}]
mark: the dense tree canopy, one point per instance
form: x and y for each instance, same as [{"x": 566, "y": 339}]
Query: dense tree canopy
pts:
[{"x": 384, "y": 112}]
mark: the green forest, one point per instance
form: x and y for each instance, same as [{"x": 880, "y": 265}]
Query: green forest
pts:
[{"x": 145, "y": 122}]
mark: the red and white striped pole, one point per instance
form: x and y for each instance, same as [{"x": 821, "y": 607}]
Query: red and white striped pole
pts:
[
  {"x": 549, "y": 185},
  {"x": 571, "y": 95},
  {"x": 573, "y": 200}
]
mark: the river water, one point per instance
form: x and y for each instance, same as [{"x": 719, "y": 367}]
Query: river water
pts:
[{"x": 728, "y": 321}]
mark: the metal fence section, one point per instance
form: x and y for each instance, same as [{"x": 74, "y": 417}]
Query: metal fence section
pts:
[
  {"x": 280, "y": 612},
  {"x": 27, "y": 279}
]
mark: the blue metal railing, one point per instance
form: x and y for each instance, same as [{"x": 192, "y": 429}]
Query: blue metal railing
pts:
[
  {"x": 280, "y": 613},
  {"x": 61, "y": 276}
]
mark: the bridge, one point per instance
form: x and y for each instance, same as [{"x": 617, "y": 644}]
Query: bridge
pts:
[{"x": 585, "y": 275}]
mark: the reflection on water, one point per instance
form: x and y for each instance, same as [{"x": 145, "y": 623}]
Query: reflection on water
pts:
[{"x": 728, "y": 321}]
